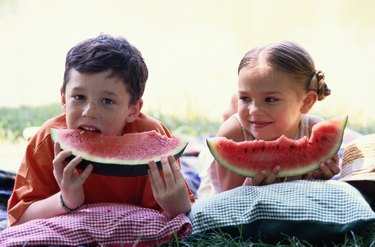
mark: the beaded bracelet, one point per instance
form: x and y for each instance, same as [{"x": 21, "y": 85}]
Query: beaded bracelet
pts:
[{"x": 63, "y": 205}]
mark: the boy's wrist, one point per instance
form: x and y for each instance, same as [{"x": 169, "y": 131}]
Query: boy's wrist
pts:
[{"x": 65, "y": 207}]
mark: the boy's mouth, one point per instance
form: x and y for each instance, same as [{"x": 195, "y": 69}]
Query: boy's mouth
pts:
[{"x": 89, "y": 128}]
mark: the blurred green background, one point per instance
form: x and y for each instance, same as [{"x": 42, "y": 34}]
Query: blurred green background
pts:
[{"x": 192, "y": 49}]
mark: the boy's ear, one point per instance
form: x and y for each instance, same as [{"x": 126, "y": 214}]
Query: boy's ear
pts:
[
  {"x": 309, "y": 100},
  {"x": 134, "y": 111},
  {"x": 63, "y": 102}
]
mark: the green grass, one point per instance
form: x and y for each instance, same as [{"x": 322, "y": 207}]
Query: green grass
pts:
[
  {"x": 220, "y": 239},
  {"x": 14, "y": 120}
]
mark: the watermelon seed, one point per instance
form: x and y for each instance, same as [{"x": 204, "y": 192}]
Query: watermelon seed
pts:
[
  {"x": 245, "y": 150},
  {"x": 324, "y": 138}
]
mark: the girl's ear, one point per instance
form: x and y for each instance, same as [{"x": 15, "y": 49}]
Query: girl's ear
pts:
[
  {"x": 63, "y": 101},
  {"x": 134, "y": 111},
  {"x": 309, "y": 100}
]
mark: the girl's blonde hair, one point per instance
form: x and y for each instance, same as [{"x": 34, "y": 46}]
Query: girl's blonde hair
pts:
[{"x": 291, "y": 58}]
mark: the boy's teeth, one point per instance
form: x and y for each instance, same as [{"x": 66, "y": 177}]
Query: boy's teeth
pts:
[{"x": 89, "y": 129}]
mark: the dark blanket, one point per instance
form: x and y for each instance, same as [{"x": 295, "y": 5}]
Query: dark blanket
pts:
[
  {"x": 7, "y": 183},
  {"x": 6, "y": 187}
]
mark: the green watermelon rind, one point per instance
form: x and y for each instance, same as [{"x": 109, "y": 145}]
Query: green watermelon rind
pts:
[
  {"x": 283, "y": 173},
  {"x": 116, "y": 167},
  {"x": 121, "y": 170}
]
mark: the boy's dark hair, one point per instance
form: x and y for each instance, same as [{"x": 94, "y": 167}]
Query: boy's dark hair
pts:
[{"x": 116, "y": 54}]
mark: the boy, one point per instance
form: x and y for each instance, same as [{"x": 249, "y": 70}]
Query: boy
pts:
[{"x": 104, "y": 81}]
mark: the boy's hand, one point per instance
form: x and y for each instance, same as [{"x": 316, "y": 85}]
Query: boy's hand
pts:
[
  {"x": 170, "y": 191},
  {"x": 68, "y": 178},
  {"x": 326, "y": 170}
]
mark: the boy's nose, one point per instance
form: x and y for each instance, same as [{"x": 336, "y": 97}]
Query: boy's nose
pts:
[{"x": 90, "y": 111}]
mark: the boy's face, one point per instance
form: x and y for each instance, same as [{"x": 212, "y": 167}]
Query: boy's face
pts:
[{"x": 97, "y": 102}]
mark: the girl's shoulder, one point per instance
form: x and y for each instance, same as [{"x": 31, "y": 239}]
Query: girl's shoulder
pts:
[
  {"x": 231, "y": 129},
  {"x": 307, "y": 122},
  {"x": 312, "y": 119}
]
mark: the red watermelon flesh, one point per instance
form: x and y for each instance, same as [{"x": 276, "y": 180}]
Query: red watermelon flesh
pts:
[
  {"x": 295, "y": 157},
  {"x": 126, "y": 155}
]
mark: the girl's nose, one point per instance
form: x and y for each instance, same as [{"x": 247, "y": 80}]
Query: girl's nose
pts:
[{"x": 255, "y": 108}]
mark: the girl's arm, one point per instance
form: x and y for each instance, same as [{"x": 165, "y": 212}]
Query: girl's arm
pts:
[{"x": 221, "y": 178}]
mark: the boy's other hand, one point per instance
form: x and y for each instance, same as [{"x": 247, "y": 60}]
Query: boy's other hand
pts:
[{"x": 169, "y": 190}]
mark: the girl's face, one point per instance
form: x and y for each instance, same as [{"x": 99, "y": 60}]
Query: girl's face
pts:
[
  {"x": 270, "y": 102},
  {"x": 97, "y": 102}
]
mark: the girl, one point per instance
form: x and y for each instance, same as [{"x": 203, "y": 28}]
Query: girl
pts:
[{"x": 278, "y": 85}]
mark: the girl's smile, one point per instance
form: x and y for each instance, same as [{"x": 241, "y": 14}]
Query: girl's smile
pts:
[
  {"x": 259, "y": 124},
  {"x": 269, "y": 102}
]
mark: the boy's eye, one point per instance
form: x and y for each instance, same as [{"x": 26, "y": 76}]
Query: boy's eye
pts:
[
  {"x": 107, "y": 101},
  {"x": 245, "y": 99},
  {"x": 79, "y": 97}
]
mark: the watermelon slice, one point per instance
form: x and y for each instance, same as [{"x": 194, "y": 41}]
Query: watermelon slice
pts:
[
  {"x": 295, "y": 157},
  {"x": 126, "y": 155}
]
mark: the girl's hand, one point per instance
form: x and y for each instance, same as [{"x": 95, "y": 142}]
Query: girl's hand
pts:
[
  {"x": 326, "y": 170},
  {"x": 170, "y": 191},
  {"x": 264, "y": 177},
  {"x": 68, "y": 178}
]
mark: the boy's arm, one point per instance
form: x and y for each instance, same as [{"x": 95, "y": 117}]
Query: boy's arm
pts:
[
  {"x": 70, "y": 183},
  {"x": 34, "y": 179},
  {"x": 42, "y": 209}
]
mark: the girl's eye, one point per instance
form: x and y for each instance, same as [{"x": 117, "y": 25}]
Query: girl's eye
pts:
[
  {"x": 79, "y": 97},
  {"x": 108, "y": 101},
  {"x": 271, "y": 99}
]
